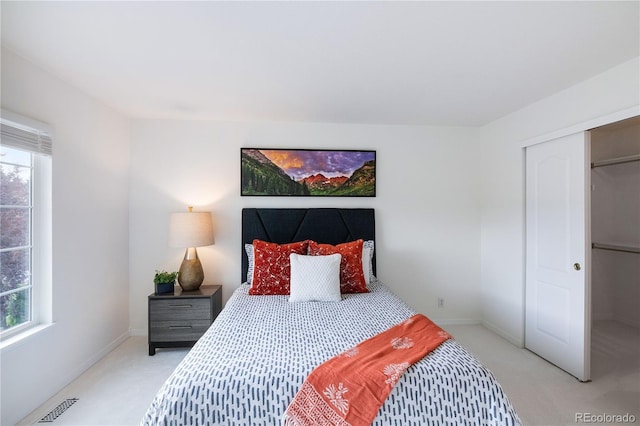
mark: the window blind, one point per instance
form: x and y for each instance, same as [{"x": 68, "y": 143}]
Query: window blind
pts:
[{"x": 25, "y": 138}]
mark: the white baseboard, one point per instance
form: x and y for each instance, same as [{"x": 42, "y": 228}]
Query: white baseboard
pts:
[
  {"x": 630, "y": 323},
  {"x": 613, "y": 317},
  {"x": 98, "y": 356},
  {"x": 139, "y": 332},
  {"x": 460, "y": 321},
  {"x": 68, "y": 378},
  {"x": 602, "y": 316},
  {"x": 519, "y": 342}
]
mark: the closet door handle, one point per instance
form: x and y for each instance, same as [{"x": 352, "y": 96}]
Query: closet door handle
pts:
[{"x": 577, "y": 266}]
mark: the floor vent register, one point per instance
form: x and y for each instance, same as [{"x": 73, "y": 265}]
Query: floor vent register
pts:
[{"x": 56, "y": 412}]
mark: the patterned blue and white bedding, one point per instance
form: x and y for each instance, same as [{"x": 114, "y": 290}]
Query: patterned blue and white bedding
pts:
[{"x": 249, "y": 365}]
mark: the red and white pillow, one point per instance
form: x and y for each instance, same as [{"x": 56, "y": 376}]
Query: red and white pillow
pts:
[
  {"x": 272, "y": 266},
  {"x": 273, "y": 270},
  {"x": 351, "y": 271}
]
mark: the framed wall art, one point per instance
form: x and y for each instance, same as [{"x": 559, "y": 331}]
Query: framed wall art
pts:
[{"x": 307, "y": 172}]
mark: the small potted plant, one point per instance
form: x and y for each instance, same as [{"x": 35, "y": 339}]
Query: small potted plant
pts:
[{"x": 164, "y": 281}]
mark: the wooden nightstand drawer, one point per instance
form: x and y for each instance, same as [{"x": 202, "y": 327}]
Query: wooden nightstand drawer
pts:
[
  {"x": 180, "y": 309},
  {"x": 181, "y": 318},
  {"x": 178, "y": 331}
]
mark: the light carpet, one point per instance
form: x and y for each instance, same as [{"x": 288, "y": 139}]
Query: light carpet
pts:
[{"x": 118, "y": 389}]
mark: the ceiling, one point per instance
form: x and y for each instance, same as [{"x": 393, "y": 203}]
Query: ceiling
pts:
[{"x": 417, "y": 63}]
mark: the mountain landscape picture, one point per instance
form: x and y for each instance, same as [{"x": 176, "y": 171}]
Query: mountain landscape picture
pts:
[{"x": 305, "y": 172}]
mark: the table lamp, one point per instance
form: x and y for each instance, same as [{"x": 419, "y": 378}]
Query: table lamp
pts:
[{"x": 190, "y": 230}]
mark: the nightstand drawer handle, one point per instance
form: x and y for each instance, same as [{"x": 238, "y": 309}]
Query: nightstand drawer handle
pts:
[
  {"x": 179, "y": 326},
  {"x": 180, "y": 306}
]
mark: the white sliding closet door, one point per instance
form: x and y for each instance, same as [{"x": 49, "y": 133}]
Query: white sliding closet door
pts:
[{"x": 557, "y": 309}]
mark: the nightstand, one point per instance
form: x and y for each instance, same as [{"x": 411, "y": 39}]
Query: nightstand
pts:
[{"x": 181, "y": 318}]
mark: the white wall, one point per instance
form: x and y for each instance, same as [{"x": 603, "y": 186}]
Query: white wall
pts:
[
  {"x": 90, "y": 237},
  {"x": 426, "y": 204},
  {"x": 502, "y": 216},
  {"x": 449, "y": 210}
]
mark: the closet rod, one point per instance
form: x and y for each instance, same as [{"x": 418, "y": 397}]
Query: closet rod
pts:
[
  {"x": 613, "y": 161},
  {"x": 613, "y": 247}
]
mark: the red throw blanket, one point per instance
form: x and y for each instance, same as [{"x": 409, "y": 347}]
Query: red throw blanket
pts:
[{"x": 350, "y": 388}]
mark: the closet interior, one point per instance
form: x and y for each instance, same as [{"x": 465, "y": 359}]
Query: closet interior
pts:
[{"x": 615, "y": 241}]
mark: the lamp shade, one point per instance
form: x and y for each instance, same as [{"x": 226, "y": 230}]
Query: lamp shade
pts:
[{"x": 190, "y": 229}]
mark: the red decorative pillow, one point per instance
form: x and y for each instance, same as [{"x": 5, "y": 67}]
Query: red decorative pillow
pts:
[
  {"x": 272, "y": 266},
  {"x": 351, "y": 273}
]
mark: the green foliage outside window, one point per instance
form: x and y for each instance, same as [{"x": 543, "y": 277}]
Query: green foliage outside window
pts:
[{"x": 15, "y": 238}]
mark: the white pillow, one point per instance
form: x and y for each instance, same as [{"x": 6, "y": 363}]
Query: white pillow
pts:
[
  {"x": 249, "y": 249},
  {"x": 366, "y": 265},
  {"x": 367, "y": 260},
  {"x": 315, "y": 278}
]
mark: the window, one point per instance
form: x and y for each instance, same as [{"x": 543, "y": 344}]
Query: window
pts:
[{"x": 25, "y": 224}]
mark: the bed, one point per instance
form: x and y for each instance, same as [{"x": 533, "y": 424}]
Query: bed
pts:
[{"x": 249, "y": 365}]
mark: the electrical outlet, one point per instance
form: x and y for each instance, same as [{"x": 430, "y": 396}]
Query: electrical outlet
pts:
[{"x": 440, "y": 302}]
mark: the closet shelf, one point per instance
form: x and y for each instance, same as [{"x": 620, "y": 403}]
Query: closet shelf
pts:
[
  {"x": 613, "y": 161},
  {"x": 615, "y": 247}
]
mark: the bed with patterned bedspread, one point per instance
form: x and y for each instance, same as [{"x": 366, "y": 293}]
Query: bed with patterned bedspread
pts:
[{"x": 249, "y": 365}]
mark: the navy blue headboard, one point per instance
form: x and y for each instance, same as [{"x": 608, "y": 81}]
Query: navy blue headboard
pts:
[{"x": 329, "y": 226}]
